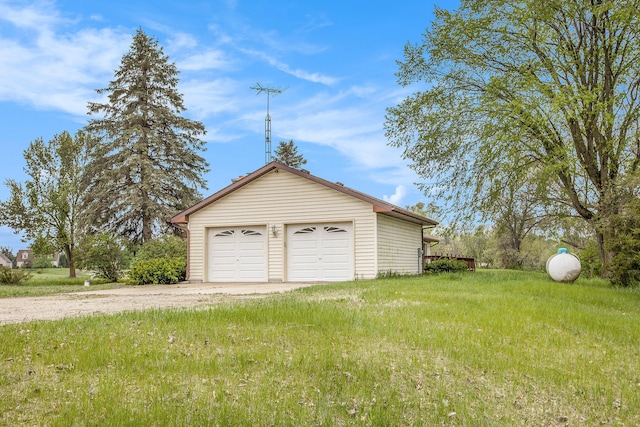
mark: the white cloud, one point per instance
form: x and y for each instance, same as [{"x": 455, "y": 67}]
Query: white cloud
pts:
[
  {"x": 285, "y": 68},
  {"x": 55, "y": 71},
  {"x": 206, "y": 98},
  {"x": 351, "y": 126},
  {"x": 208, "y": 60},
  {"x": 36, "y": 16},
  {"x": 397, "y": 197},
  {"x": 305, "y": 75},
  {"x": 182, "y": 40}
]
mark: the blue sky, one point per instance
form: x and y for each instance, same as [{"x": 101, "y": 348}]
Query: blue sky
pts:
[{"x": 336, "y": 59}]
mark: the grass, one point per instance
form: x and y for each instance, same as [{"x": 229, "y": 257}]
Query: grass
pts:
[
  {"x": 485, "y": 348},
  {"x": 49, "y": 281}
]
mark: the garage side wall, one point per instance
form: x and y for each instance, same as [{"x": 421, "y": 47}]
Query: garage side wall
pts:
[
  {"x": 276, "y": 200},
  {"x": 398, "y": 244}
]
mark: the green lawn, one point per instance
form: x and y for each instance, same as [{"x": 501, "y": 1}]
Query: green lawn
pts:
[
  {"x": 48, "y": 281},
  {"x": 490, "y": 348}
]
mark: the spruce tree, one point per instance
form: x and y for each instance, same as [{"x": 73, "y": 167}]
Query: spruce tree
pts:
[
  {"x": 287, "y": 153},
  {"x": 146, "y": 166}
]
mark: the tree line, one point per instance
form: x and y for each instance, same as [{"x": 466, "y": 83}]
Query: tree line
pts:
[
  {"x": 136, "y": 163},
  {"x": 528, "y": 115}
]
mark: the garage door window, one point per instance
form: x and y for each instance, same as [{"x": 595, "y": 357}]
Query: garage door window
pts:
[{"x": 335, "y": 230}]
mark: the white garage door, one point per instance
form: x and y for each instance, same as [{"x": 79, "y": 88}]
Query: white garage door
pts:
[
  {"x": 320, "y": 252},
  {"x": 237, "y": 254}
]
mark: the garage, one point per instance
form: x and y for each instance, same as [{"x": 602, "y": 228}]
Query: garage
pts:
[
  {"x": 280, "y": 224},
  {"x": 238, "y": 254},
  {"x": 320, "y": 252}
]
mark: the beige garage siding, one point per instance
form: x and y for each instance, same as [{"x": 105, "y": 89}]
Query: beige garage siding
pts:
[
  {"x": 280, "y": 198},
  {"x": 398, "y": 244}
]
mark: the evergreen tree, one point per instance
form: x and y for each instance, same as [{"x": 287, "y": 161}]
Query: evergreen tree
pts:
[
  {"x": 287, "y": 154},
  {"x": 146, "y": 165}
]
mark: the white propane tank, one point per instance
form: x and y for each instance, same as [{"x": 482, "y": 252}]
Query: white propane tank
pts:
[{"x": 563, "y": 266}]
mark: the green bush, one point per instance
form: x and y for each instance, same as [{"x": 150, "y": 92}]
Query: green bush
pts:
[
  {"x": 105, "y": 254},
  {"x": 10, "y": 276},
  {"x": 160, "y": 271},
  {"x": 164, "y": 247},
  {"x": 590, "y": 260},
  {"x": 625, "y": 265},
  {"x": 445, "y": 266}
]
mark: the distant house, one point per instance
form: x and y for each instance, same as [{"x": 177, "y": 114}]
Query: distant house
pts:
[
  {"x": 55, "y": 262},
  {"x": 5, "y": 261},
  {"x": 24, "y": 259}
]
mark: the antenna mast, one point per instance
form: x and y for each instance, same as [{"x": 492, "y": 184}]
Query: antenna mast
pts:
[{"x": 267, "y": 120}]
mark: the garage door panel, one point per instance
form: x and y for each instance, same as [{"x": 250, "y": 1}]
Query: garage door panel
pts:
[
  {"x": 251, "y": 243},
  {"x": 302, "y": 245},
  {"x": 221, "y": 247},
  {"x": 337, "y": 260},
  {"x": 251, "y": 253},
  {"x": 224, "y": 260},
  {"x": 252, "y": 262},
  {"x": 339, "y": 244}
]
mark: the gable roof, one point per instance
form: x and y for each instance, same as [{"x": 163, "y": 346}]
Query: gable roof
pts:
[
  {"x": 5, "y": 258},
  {"x": 378, "y": 205},
  {"x": 24, "y": 251}
]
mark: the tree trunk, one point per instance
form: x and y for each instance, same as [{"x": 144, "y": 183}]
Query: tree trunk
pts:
[
  {"x": 604, "y": 236},
  {"x": 68, "y": 250},
  {"x": 147, "y": 233}
]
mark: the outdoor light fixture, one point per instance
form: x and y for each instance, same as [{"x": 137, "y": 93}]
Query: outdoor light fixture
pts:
[{"x": 274, "y": 231}]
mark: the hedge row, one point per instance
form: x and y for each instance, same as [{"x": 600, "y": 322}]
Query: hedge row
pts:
[
  {"x": 445, "y": 266},
  {"x": 159, "y": 271}
]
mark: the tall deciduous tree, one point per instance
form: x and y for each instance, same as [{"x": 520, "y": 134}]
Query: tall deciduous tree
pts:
[
  {"x": 47, "y": 207},
  {"x": 517, "y": 213},
  {"x": 287, "y": 153},
  {"x": 146, "y": 165},
  {"x": 517, "y": 84}
]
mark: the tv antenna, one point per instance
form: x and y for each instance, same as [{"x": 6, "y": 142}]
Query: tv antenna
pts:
[{"x": 267, "y": 120}]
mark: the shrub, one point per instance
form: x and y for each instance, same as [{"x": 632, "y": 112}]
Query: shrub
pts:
[
  {"x": 42, "y": 262},
  {"x": 160, "y": 271},
  {"x": 625, "y": 265},
  {"x": 164, "y": 247},
  {"x": 9, "y": 276},
  {"x": 445, "y": 266},
  {"x": 105, "y": 254},
  {"x": 590, "y": 260}
]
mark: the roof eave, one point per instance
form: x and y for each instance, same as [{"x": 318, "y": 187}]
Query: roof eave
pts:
[{"x": 405, "y": 215}]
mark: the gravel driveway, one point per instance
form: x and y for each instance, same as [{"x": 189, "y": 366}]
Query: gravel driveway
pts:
[{"x": 15, "y": 310}]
